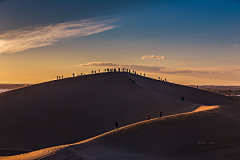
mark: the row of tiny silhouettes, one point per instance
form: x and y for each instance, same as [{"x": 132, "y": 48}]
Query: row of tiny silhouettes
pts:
[
  {"x": 160, "y": 115},
  {"x": 148, "y": 118}
]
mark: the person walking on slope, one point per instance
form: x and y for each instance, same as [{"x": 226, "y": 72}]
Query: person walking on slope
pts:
[
  {"x": 148, "y": 117},
  {"x": 182, "y": 99},
  {"x": 160, "y": 114},
  {"x": 116, "y": 124}
]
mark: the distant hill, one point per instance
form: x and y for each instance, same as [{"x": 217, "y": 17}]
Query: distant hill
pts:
[{"x": 11, "y": 86}]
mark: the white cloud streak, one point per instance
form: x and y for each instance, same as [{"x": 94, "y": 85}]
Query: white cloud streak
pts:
[
  {"x": 143, "y": 68},
  {"x": 152, "y": 57},
  {"x": 106, "y": 64},
  {"x": 33, "y": 37},
  {"x": 164, "y": 70}
]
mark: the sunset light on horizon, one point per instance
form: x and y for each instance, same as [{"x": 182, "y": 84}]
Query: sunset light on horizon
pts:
[{"x": 186, "y": 42}]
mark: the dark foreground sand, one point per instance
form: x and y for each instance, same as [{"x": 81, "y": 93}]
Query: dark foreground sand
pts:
[{"x": 57, "y": 120}]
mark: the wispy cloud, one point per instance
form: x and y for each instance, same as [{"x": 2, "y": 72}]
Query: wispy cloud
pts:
[
  {"x": 152, "y": 57},
  {"x": 179, "y": 64},
  {"x": 106, "y": 64},
  {"x": 33, "y": 37},
  {"x": 157, "y": 69},
  {"x": 143, "y": 68},
  {"x": 175, "y": 71},
  {"x": 236, "y": 45}
]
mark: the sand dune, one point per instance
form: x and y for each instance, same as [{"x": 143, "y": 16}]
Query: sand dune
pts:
[
  {"x": 75, "y": 109},
  {"x": 181, "y": 136}
]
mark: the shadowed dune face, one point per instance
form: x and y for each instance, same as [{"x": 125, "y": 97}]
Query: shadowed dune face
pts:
[
  {"x": 74, "y": 109},
  {"x": 175, "y": 92}
]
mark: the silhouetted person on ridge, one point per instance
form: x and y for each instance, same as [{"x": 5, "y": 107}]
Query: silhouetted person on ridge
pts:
[
  {"x": 57, "y": 77},
  {"x": 114, "y": 69},
  {"x": 116, "y": 124},
  {"x": 99, "y": 70},
  {"x": 144, "y": 74},
  {"x": 95, "y": 71},
  {"x": 160, "y": 114},
  {"x": 148, "y": 117},
  {"x": 62, "y": 77},
  {"x": 197, "y": 87},
  {"x": 73, "y": 74}
]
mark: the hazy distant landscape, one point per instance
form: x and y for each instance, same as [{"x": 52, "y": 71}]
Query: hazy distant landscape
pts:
[
  {"x": 11, "y": 86},
  {"x": 7, "y": 87}
]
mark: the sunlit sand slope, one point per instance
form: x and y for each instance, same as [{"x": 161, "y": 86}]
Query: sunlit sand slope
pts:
[{"x": 208, "y": 132}]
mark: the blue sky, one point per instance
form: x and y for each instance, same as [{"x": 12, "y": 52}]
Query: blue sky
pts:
[{"x": 198, "y": 39}]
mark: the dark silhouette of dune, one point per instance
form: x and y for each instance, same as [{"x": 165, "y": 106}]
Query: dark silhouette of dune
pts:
[{"x": 74, "y": 109}]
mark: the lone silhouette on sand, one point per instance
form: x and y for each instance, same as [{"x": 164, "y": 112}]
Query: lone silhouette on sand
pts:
[
  {"x": 148, "y": 117},
  {"x": 182, "y": 99},
  {"x": 73, "y": 74},
  {"x": 160, "y": 114},
  {"x": 116, "y": 124}
]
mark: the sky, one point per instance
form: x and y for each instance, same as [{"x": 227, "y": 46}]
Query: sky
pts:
[{"x": 187, "y": 42}]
